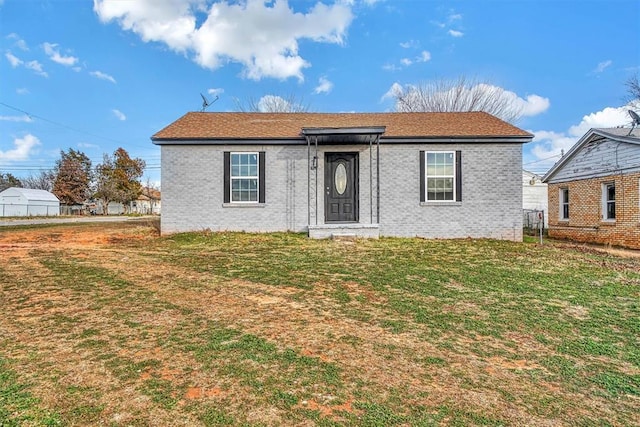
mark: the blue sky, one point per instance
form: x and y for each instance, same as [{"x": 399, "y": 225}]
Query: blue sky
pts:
[{"x": 98, "y": 75}]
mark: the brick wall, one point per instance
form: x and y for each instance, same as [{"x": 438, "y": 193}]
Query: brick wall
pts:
[
  {"x": 491, "y": 206},
  {"x": 586, "y": 223}
]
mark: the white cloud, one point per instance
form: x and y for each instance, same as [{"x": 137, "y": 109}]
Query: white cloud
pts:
[
  {"x": 530, "y": 106},
  {"x": 406, "y": 62},
  {"x": 395, "y": 89},
  {"x": 22, "y": 91},
  {"x": 548, "y": 145},
  {"x": 53, "y": 53},
  {"x": 102, "y": 76},
  {"x": 215, "y": 91},
  {"x": 32, "y": 65},
  {"x": 324, "y": 86},
  {"x": 19, "y": 43},
  {"x": 425, "y": 56},
  {"x": 119, "y": 114},
  {"x": 13, "y": 60},
  {"x": 268, "y": 49},
  {"x": 391, "y": 67},
  {"x": 409, "y": 44},
  {"x": 455, "y": 33},
  {"x": 23, "y": 148},
  {"x": 602, "y": 66},
  {"x": 36, "y": 67},
  {"x": 23, "y": 118}
]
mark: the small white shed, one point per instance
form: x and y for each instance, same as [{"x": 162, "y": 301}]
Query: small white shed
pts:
[{"x": 17, "y": 201}]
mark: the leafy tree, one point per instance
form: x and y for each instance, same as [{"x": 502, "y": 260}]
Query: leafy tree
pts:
[
  {"x": 106, "y": 188},
  {"x": 7, "y": 180},
  {"x": 72, "y": 182},
  {"x": 272, "y": 104},
  {"x": 459, "y": 95},
  {"x": 117, "y": 179},
  {"x": 42, "y": 181}
]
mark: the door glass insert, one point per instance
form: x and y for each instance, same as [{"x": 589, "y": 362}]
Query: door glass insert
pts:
[{"x": 340, "y": 178}]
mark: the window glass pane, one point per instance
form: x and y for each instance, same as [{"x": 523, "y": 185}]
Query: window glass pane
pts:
[
  {"x": 244, "y": 165},
  {"x": 244, "y": 190},
  {"x": 440, "y": 189},
  {"x": 611, "y": 192},
  {"x": 440, "y": 173}
]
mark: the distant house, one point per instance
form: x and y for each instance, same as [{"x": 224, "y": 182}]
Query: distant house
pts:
[
  {"x": 594, "y": 190},
  {"x": 534, "y": 196},
  {"x": 16, "y": 201},
  {"x": 434, "y": 175},
  {"x": 148, "y": 203}
]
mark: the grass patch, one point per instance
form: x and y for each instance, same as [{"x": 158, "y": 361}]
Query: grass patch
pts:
[{"x": 278, "y": 329}]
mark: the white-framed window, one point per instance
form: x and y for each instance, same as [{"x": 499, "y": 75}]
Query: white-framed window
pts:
[
  {"x": 440, "y": 176},
  {"x": 564, "y": 204},
  {"x": 244, "y": 177},
  {"x": 609, "y": 201}
]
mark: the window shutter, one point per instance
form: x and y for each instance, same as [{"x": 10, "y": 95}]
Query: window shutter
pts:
[
  {"x": 227, "y": 178},
  {"x": 422, "y": 177},
  {"x": 458, "y": 176},
  {"x": 261, "y": 183}
]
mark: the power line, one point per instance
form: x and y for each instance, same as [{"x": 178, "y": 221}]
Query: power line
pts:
[
  {"x": 31, "y": 115},
  {"x": 542, "y": 160}
]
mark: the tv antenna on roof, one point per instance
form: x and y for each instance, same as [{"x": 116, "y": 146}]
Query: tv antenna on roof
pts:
[
  {"x": 206, "y": 102},
  {"x": 635, "y": 118}
]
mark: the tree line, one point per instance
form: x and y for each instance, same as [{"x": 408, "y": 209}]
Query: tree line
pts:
[{"x": 74, "y": 180}]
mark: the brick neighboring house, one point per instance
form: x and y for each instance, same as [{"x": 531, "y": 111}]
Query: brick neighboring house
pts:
[
  {"x": 434, "y": 175},
  {"x": 594, "y": 190}
]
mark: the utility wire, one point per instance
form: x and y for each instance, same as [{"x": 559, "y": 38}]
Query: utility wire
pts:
[
  {"x": 31, "y": 115},
  {"x": 542, "y": 160}
]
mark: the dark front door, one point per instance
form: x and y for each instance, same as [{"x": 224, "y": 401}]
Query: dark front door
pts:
[{"x": 341, "y": 187}]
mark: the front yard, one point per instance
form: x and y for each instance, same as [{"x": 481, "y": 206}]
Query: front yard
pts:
[{"x": 109, "y": 324}]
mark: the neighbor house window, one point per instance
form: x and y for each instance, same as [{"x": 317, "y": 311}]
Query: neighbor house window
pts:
[
  {"x": 440, "y": 176},
  {"x": 564, "y": 203},
  {"x": 609, "y": 201},
  {"x": 244, "y": 177}
]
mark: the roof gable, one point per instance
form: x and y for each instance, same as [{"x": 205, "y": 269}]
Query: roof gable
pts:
[
  {"x": 598, "y": 152},
  {"x": 211, "y": 126}
]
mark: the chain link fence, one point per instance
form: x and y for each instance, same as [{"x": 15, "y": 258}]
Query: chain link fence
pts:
[
  {"x": 18, "y": 209},
  {"x": 533, "y": 221}
]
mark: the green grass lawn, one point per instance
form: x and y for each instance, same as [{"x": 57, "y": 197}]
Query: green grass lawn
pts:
[{"x": 277, "y": 329}]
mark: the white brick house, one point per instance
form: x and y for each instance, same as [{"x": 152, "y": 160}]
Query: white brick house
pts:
[{"x": 435, "y": 175}]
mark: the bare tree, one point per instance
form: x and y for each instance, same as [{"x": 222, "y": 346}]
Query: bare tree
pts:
[
  {"x": 41, "y": 181},
  {"x": 272, "y": 104},
  {"x": 633, "y": 91},
  {"x": 152, "y": 192},
  {"x": 458, "y": 95}
]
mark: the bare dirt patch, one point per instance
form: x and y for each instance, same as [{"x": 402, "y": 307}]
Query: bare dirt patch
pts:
[{"x": 98, "y": 312}]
